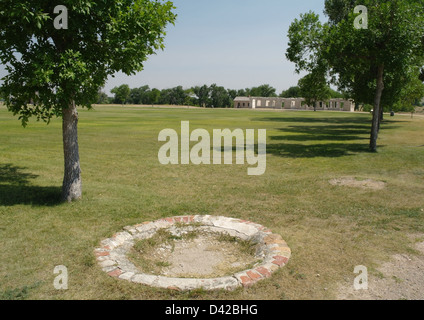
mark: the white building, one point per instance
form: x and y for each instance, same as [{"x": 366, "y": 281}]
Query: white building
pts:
[{"x": 292, "y": 104}]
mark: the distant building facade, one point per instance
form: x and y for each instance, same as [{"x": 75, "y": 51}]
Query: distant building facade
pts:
[{"x": 292, "y": 104}]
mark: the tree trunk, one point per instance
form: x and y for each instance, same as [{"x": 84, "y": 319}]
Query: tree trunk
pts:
[
  {"x": 376, "y": 111},
  {"x": 72, "y": 185},
  {"x": 380, "y": 120}
]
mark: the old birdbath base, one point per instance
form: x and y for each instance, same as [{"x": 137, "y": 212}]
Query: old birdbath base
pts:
[{"x": 272, "y": 252}]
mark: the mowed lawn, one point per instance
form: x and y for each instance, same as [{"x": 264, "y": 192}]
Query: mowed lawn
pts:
[{"x": 330, "y": 229}]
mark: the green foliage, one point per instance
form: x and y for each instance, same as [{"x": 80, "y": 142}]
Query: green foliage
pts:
[
  {"x": 122, "y": 94},
  {"x": 292, "y": 92},
  {"x": 139, "y": 95},
  {"x": 264, "y": 90},
  {"x": 367, "y": 107},
  {"x": 337, "y": 10},
  {"x": 372, "y": 65},
  {"x": 219, "y": 97},
  {"x": 202, "y": 94},
  {"x": 102, "y": 98},
  {"x": 51, "y": 67},
  {"x": 410, "y": 96},
  {"x": 314, "y": 88},
  {"x": 213, "y": 96},
  {"x": 393, "y": 39},
  {"x": 336, "y": 95},
  {"x": 173, "y": 96},
  {"x": 307, "y": 38},
  {"x": 18, "y": 293}
]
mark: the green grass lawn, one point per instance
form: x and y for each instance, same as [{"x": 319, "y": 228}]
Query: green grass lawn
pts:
[{"x": 330, "y": 229}]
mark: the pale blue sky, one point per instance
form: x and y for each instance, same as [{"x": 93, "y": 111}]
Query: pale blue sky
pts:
[{"x": 233, "y": 43}]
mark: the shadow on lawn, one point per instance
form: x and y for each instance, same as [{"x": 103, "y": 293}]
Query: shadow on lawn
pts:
[
  {"x": 15, "y": 189},
  {"x": 335, "y": 137}
]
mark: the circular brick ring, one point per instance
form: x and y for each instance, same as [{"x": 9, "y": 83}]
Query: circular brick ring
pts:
[{"x": 272, "y": 250}]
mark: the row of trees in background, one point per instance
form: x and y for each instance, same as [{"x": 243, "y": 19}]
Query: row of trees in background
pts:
[
  {"x": 311, "y": 87},
  {"x": 213, "y": 96},
  {"x": 206, "y": 96}
]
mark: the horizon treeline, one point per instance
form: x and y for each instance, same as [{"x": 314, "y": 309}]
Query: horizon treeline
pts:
[{"x": 212, "y": 96}]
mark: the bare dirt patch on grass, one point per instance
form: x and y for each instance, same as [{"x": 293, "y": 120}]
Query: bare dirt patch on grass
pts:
[
  {"x": 205, "y": 256},
  {"x": 193, "y": 254},
  {"x": 358, "y": 183},
  {"x": 402, "y": 278}
]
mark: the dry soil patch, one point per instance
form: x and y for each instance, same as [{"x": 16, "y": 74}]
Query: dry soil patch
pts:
[
  {"x": 402, "y": 278},
  {"x": 358, "y": 183},
  {"x": 205, "y": 256}
]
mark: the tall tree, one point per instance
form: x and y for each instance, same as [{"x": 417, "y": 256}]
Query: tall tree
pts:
[
  {"x": 381, "y": 57},
  {"x": 410, "y": 96},
  {"x": 140, "y": 95},
  {"x": 154, "y": 96},
  {"x": 369, "y": 63},
  {"x": 123, "y": 93},
  {"x": 60, "y": 61},
  {"x": 219, "y": 97},
  {"x": 177, "y": 96},
  {"x": 203, "y": 95},
  {"x": 314, "y": 88}
]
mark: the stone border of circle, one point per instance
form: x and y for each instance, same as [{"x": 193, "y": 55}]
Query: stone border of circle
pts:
[{"x": 272, "y": 249}]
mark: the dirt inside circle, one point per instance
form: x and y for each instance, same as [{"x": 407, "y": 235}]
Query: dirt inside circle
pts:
[{"x": 193, "y": 254}]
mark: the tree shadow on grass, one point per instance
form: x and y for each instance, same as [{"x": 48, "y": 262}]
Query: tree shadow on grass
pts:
[
  {"x": 360, "y": 119},
  {"x": 15, "y": 188},
  {"x": 323, "y": 133},
  {"x": 335, "y": 137},
  {"x": 330, "y": 150}
]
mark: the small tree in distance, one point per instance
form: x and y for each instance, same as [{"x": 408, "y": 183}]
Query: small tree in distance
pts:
[
  {"x": 122, "y": 94},
  {"x": 314, "y": 88}
]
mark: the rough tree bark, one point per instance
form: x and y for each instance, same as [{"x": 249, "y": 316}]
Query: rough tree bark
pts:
[
  {"x": 376, "y": 112},
  {"x": 72, "y": 184}
]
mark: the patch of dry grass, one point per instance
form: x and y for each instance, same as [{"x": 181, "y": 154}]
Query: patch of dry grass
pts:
[{"x": 330, "y": 229}]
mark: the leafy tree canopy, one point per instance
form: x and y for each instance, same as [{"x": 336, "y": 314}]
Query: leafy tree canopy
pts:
[
  {"x": 371, "y": 64},
  {"x": 52, "y": 67}
]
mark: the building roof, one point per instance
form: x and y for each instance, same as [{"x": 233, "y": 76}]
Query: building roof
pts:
[{"x": 242, "y": 99}]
